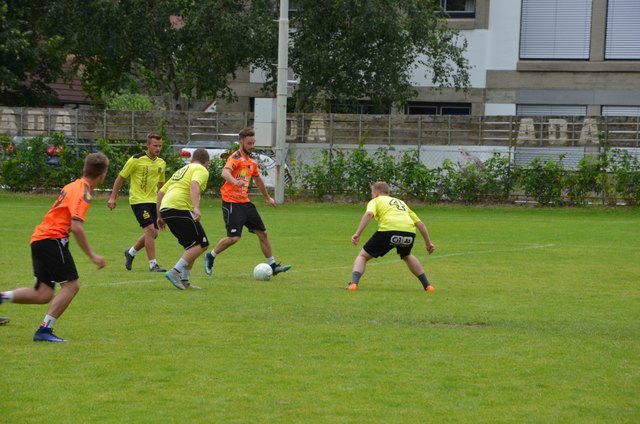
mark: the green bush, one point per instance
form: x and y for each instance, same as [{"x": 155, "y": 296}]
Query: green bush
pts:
[
  {"x": 415, "y": 179},
  {"x": 32, "y": 167},
  {"x": 543, "y": 181},
  {"x": 626, "y": 171}
]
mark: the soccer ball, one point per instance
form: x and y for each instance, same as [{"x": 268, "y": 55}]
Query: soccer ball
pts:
[{"x": 262, "y": 272}]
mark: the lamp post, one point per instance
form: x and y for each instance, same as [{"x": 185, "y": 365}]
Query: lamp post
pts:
[{"x": 281, "y": 101}]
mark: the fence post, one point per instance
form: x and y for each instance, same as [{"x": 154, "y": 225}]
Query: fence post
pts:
[
  {"x": 77, "y": 119},
  {"x": 49, "y": 121},
  {"x": 21, "y": 132}
]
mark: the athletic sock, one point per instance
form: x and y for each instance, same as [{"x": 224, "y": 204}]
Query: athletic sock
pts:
[
  {"x": 48, "y": 321},
  {"x": 7, "y": 296},
  {"x": 132, "y": 251},
  {"x": 423, "y": 280},
  {"x": 152, "y": 263},
  {"x": 180, "y": 265},
  {"x": 271, "y": 260},
  {"x": 355, "y": 277},
  {"x": 213, "y": 253},
  {"x": 185, "y": 274}
]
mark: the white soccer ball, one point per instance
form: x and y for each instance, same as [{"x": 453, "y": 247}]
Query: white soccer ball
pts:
[{"x": 262, "y": 272}]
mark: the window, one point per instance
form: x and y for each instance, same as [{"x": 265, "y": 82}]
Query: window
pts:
[
  {"x": 623, "y": 30},
  {"x": 550, "y": 110},
  {"x": 357, "y": 108},
  {"x": 621, "y": 111},
  {"x": 459, "y": 8},
  {"x": 426, "y": 108},
  {"x": 555, "y": 29}
]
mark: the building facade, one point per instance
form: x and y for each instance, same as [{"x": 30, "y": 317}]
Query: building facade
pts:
[{"x": 530, "y": 57}]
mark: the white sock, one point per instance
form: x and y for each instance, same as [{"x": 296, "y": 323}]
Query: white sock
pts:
[
  {"x": 180, "y": 265},
  {"x": 213, "y": 253},
  {"x": 48, "y": 321},
  {"x": 185, "y": 274},
  {"x": 7, "y": 296},
  {"x": 271, "y": 261},
  {"x": 152, "y": 263},
  {"x": 132, "y": 251}
]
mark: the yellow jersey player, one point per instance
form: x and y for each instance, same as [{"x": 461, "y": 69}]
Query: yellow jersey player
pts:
[
  {"x": 178, "y": 204},
  {"x": 146, "y": 174},
  {"x": 397, "y": 225}
]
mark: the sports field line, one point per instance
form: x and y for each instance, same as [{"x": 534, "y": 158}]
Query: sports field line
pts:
[{"x": 346, "y": 266}]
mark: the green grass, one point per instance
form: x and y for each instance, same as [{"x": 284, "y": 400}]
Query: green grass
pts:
[{"x": 535, "y": 319}]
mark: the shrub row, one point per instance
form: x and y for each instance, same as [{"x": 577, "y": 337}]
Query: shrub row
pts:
[
  {"x": 608, "y": 178},
  {"x": 611, "y": 177},
  {"x": 49, "y": 163}
]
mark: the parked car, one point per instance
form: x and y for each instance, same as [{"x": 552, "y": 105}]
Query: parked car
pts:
[{"x": 218, "y": 150}]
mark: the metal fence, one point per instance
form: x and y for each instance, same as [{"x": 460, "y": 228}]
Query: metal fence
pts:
[{"x": 391, "y": 130}]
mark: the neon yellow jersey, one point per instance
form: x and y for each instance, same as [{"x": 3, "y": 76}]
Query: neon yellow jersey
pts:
[
  {"x": 177, "y": 191},
  {"x": 392, "y": 214},
  {"x": 145, "y": 174}
]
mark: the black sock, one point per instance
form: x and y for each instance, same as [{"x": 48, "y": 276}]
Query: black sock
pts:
[
  {"x": 355, "y": 277},
  {"x": 423, "y": 280}
]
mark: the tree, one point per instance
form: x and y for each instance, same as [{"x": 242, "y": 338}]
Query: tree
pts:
[
  {"x": 345, "y": 50},
  {"x": 28, "y": 58},
  {"x": 175, "y": 50}
]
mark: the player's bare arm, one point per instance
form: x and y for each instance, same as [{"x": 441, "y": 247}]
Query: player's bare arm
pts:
[
  {"x": 77, "y": 228},
  {"x": 117, "y": 184},
  {"x": 265, "y": 193},
  {"x": 364, "y": 221},
  {"x": 194, "y": 191}
]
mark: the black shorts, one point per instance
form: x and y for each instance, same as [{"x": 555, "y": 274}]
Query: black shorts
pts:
[
  {"x": 52, "y": 262},
  {"x": 146, "y": 214},
  {"x": 187, "y": 230},
  {"x": 381, "y": 242},
  {"x": 238, "y": 215}
]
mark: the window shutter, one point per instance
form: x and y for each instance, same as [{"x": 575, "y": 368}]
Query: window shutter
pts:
[
  {"x": 620, "y": 110},
  {"x": 623, "y": 30},
  {"x": 555, "y": 29},
  {"x": 551, "y": 110}
]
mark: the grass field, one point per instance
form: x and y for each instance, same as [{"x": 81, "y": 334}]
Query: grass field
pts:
[{"x": 535, "y": 319}]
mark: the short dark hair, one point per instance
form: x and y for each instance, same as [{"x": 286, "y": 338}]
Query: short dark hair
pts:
[
  {"x": 246, "y": 132},
  {"x": 152, "y": 136},
  {"x": 200, "y": 155},
  {"x": 95, "y": 164}
]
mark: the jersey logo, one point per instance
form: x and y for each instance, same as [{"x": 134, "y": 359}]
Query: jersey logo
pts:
[{"x": 146, "y": 215}]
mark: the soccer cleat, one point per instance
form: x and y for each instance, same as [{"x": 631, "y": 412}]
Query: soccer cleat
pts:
[
  {"x": 429, "y": 288},
  {"x": 45, "y": 334},
  {"x": 187, "y": 285},
  {"x": 352, "y": 287},
  {"x": 174, "y": 276},
  {"x": 157, "y": 268},
  {"x": 208, "y": 263},
  {"x": 128, "y": 259},
  {"x": 277, "y": 268},
  {"x": 4, "y": 320}
]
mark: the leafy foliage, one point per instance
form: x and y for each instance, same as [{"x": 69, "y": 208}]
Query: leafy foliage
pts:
[
  {"x": 29, "y": 58},
  {"x": 177, "y": 51},
  {"x": 370, "y": 50}
]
